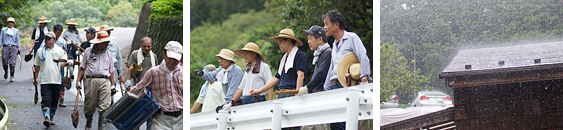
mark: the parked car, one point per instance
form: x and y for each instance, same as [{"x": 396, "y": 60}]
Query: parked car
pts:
[
  {"x": 432, "y": 98},
  {"x": 393, "y": 102}
]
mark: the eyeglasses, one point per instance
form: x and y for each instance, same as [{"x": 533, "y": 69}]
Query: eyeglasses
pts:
[{"x": 220, "y": 59}]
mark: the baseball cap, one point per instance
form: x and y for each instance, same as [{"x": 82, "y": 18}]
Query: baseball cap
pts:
[
  {"x": 90, "y": 30},
  {"x": 315, "y": 29},
  {"x": 50, "y": 34},
  {"x": 174, "y": 50}
]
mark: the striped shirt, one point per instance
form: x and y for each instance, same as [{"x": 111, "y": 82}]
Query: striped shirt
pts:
[{"x": 165, "y": 86}]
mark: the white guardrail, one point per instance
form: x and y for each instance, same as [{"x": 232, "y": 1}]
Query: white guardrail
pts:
[{"x": 341, "y": 105}]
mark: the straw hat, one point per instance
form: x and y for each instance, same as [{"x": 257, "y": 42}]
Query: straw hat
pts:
[
  {"x": 10, "y": 19},
  {"x": 136, "y": 69},
  {"x": 349, "y": 64},
  {"x": 72, "y": 22},
  {"x": 226, "y": 54},
  {"x": 286, "y": 33},
  {"x": 102, "y": 37},
  {"x": 43, "y": 19},
  {"x": 105, "y": 28},
  {"x": 252, "y": 47}
]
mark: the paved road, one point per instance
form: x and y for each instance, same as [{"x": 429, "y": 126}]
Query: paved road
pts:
[{"x": 24, "y": 115}]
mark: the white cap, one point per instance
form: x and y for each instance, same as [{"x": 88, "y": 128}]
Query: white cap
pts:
[{"x": 174, "y": 50}]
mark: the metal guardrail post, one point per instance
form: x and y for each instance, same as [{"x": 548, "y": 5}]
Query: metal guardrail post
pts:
[
  {"x": 222, "y": 125},
  {"x": 353, "y": 108},
  {"x": 277, "y": 115}
]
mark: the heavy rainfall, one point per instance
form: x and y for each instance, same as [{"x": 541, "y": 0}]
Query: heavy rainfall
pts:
[{"x": 427, "y": 44}]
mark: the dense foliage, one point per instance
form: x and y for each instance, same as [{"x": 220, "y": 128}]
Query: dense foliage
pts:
[
  {"x": 19, "y": 9},
  {"x": 217, "y": 11},
  {"x": 88, "y": 13},
  {"x": 431, "y": 31},
  {"x": 396, "y": 76}
]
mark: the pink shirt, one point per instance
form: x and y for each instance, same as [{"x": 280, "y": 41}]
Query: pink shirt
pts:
[
  {"x": 97, "y": 64},
  {"x": 165, "y": 85}
]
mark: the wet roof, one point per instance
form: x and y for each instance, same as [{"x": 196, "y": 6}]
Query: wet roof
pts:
[{"x": 515, "y": 56}]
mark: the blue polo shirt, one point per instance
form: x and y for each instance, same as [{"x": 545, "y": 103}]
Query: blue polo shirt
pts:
[{"x": 289, "y": 80}]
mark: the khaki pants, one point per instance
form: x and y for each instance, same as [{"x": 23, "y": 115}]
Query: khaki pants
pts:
[
  {"x": 97, "y": 95},
  {"x": 165, "y": 122}
]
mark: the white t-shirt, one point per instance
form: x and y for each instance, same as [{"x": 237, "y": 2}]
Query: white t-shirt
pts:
[
  {"x": 255, "y": 81},
  {"x": 49, "y": 72},
  {"x": 214, "y": 97}
]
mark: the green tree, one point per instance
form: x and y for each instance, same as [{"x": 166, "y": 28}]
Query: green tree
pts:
[
  {"x": 430, "y": 32},
  {"x": 302, "y": 14},
  {"x": 123, "y": 14},
  {"x": 216, "y": 11},
  {"x": 19, "y": 9},
  {"x": 397, "y": 77},
  {"x": 208, "y": 39}
]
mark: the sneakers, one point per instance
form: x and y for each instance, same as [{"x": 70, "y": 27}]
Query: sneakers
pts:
[
  {"x": 12, "y": 79},
  {"x": 61, "y": 103}
]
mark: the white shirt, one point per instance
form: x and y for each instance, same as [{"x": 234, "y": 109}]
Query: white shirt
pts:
[
  {"x": 214, "y": 97},
  {"x": 255, "y": 81},
  {"x": 49, "y": 71}
]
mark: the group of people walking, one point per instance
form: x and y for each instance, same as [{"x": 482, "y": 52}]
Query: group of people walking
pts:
[
  {"x": 257, "y": 80},
  {"x": 99, "y": 70}
]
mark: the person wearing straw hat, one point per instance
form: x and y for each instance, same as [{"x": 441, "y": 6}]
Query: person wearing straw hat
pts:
[
  {"x": 257, "y": 75},
  {"x": 48, "y": 69},
  {"x": 72, "y": 34},
  {"x": 38, "y": 35},
  {"x": 96, "y": 69},
  {"x": 293, "y": 65},
  {"x": 10, "y": 42},
  {"x": 230, "y": 74},
  {"x": 318, "y": 43},
  {"x": 166, "y": 86},
  {"x": 211, "y": 94},
  {"x": 116, "y": 56},
  {"x": 345, "y": 42},
  {"x": 143, "y": 57}
]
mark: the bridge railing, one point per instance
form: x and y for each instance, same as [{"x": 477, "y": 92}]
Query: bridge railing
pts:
[{"x": 341, "y": 105}]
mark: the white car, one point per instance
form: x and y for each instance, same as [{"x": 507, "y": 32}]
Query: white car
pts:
[
  {"x": 432, "y": 98},
  {"x": 393, "y": 102}
]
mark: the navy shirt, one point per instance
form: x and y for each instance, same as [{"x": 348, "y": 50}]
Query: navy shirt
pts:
[
  {"x": 85, "y": 44},
  {"x": 40, "y": 39},
  {"x": 289, "y": 80}
]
